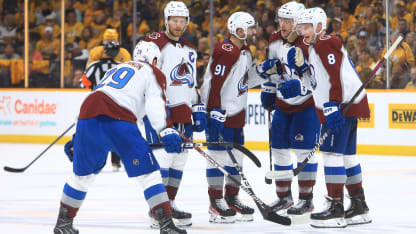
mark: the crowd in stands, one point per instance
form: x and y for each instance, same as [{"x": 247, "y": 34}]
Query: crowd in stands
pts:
[{"x": 359, "y": 24}]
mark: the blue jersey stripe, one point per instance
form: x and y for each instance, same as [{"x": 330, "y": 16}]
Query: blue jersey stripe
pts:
[
  {"x": 310, "y": 167},
  {"x": 231, "y": 170},
  {"x": 73, "y": 193},
  {"x": 154, "y": 190},
  {"x": 283, "y": 168},
  {"x": 354, "y": 170},
  {"x": 177, "y": 174},
  {"x": 164, "y": 172}
]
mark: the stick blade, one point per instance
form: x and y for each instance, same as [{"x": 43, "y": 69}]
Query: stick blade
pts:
[
  {"x": 286, "y": 174},
  {"x": 275, "y": 218},
  {"x": 11, "y": 169}
]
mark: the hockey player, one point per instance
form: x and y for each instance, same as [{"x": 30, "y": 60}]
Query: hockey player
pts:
[
  {"x": 333, "y": 81},
  {"x": 295, "y": 124},
  {"x": 91, "y": 77},
  {"x": 178, "y": 63},
  {"x": 107, "y": 122},
  {"x": 224, "y": 91}
]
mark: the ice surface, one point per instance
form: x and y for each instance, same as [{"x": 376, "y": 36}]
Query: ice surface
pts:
[{"x": 29, "y": 201}]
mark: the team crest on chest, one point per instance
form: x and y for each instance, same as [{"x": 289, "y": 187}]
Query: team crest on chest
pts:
[{"x": 182, "y": 74}]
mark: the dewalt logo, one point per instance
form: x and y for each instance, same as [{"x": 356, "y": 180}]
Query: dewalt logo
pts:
[
  {"x": 402, "y": 116},
  {"x": 367, "y": 122}
]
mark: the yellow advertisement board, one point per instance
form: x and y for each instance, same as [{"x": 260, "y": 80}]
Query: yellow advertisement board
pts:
[
  {"x": 402, "y": 116},
  {"x": 368, "y": 122}
]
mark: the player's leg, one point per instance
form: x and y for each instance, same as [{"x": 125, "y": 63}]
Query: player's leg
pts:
[
  {"x": 231, "y": 188},
  {"x": 282, "y": 158},
  {"x": 304, "y": 133},
  {"x": 89, "y": 157},
  {"x": 140, "y": 163},
  {"x": 115, "y": 162},
  {"x": 358, "y": 211},
  {"x": 219, "y": 210},
  {"x": 333, "y": 151},
  {"x": 175, "y": 177}
]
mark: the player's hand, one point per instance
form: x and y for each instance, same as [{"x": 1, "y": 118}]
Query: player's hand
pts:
[
  {"x": 215, "y": 124},
  {"x": 333, "y": 116},
  {"x": 269, "y": 67},
  {"x": 200, "y": 117},
  {"x": 268, "y": 95},
  {"x": 171, "y": 140},
  {"x": 292, "y": 88},
  {"x": 69, "y": 149},
  {"x": 296, "y": 60}
]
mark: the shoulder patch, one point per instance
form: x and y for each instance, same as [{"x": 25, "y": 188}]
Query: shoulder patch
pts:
[
  {"x": 227, "y": 47},
  {"x": 154, "y": 36}
]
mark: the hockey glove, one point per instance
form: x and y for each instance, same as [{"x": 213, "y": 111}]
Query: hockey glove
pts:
[
  {"x": 268, "y": 95},
  {"x": 200, "y": 117},
  {"x": 171, "y": 140},
  {"x": 69, "y": 148},
  {"x": 269, "y": 67},
  {"x": 292, "y": 88},
  {"x": 333, "y": 116},
  {"x": 296, "y": 60},
  {"x": 215, "y": 124}
]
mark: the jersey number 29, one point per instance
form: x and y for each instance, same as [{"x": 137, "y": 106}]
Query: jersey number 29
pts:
[{"x": 119, "y": 77}]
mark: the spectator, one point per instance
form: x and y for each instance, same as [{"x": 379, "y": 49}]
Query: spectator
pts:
[
  {"x": 74, "y": 81},
  {"x": 73, "y": 28},
  {"x": 9, "y": 52},
  {"x": 336, "y": 26},
  {"x": 99, "y": 25},
  {"x": 412, "y": 83},
  {"x": 201, "y": 67},
  {"x": 8, "y": 28},
  {"x": 48, "y": 46},
  {"x": 411, "y": 40},
  {"x": 403, "y": 28},
  {"x": 141, "y": 27},
  {"x": 347, "y": 19},
  {"x": 5, "y": 73},
  {"x": 400, "y": 14},
  {"x": 87, "y": 41}
]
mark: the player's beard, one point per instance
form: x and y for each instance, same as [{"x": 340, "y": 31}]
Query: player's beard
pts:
[
  {"x": 176, "y": 33},
  {"x": 251, "y": 40}
]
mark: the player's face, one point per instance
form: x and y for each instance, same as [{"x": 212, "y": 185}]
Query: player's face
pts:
[
  {"x": 307, "y": 32},
  {"x": 251, "y": 33},
  {"x": 177, "y": 25},
  {"x": 286, "y": 26}
]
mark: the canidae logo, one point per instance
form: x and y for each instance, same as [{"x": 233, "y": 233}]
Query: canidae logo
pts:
[
  {"x": 402, "y": 116},
  {"x": 368, "y": 122},
  {"x": 26, "y": 107}
]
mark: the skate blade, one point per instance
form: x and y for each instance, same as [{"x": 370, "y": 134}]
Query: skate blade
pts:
[
  {"x": 183, "y": 222},
  {"x": 330, "y": 223},
  {"x": 359, "y": 219},
  {"x": 245, "y": 218},
  {"x": 215, "y": 218},
  {"x": 301, "y": 219},
  {"x": 154, "y": 224}
]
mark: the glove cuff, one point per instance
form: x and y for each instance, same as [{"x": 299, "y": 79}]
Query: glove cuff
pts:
[
  {"x": 198, "y": 108},
  {"x": 167, "y": 131},
  {"x": 331, "y": 107},
  {"x": 268, "y": 87},
  {"x": 218, "y": 115}
]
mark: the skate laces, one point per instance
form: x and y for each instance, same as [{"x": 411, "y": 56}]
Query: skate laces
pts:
[
  {"x": 237, "y": 202},
  {"x": 299, "y": 204},
  {"x": 222, "y": 204}
]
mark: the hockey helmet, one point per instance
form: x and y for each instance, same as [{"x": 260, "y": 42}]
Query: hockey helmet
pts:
[
  {"x": 110, "y": 34},
  {"x": 241, "y": 20},
  {"x": 314, "y": 16},
  {"x": 147, "y": 51},
  {"x": 291, "y": 10},
  {"x": 176, "y": 8},
  {"x": 111, "y": 49}
]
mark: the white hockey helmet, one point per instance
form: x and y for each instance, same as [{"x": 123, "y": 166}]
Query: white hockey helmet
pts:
[
  {"x": 176, "y": 8},
  {"x": 291, "y": 10},
  {"x": 314, "y": 16},
  {"x": 241, "y": 20},
  {"x": 147, "y": 51}
]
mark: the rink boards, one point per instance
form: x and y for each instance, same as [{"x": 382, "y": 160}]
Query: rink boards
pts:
[{"x": 40, "y": 115}]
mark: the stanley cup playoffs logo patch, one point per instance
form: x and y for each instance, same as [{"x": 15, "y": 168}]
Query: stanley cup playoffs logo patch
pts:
[{"x": 183, "y": 73}]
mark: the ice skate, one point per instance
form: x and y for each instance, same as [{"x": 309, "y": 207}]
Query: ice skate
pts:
[
  {"x": 220, "y": 212},
  {"x": 282, "y": 203},
  {"x": 166, "y": 223},
  {"x": 181, "y": 218},
  {"x": 357, "y": 213},
  {"x": 302, "y": 207},
  {"x": 64, "y": 223},
  {"x": 245, "y": 211},
  {"x": 331, "y": 217}
]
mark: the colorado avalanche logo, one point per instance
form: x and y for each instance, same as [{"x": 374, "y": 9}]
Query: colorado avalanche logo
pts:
[
  {"x": 183, "y": 73},
  {"x": 312, "y": 77},
  {"x": 243, "y": 85}
]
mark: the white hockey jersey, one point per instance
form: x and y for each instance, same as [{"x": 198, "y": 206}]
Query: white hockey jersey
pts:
[
  {"x": 128, "y": 92},
  {"x": 225, "y": 83},
  {"x": 178, "y": 63},
  {"x": 333, "y": 77},
  {"x": 278, "y": 48}
]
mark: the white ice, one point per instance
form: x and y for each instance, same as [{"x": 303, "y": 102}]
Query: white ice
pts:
[{"x": 29, "y": 201}]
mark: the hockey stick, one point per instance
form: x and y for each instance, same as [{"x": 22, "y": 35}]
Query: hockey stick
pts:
[
  {"x": 295, "y": 172},
  {"x": 267, "y": 180},
  {"x": 242, "y": 149},
  {"x": 264, "y": 209},
  {"x": 18, "y": 170}
]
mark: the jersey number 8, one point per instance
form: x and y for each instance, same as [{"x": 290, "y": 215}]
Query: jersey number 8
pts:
[{"x": 331, "y": 59}]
